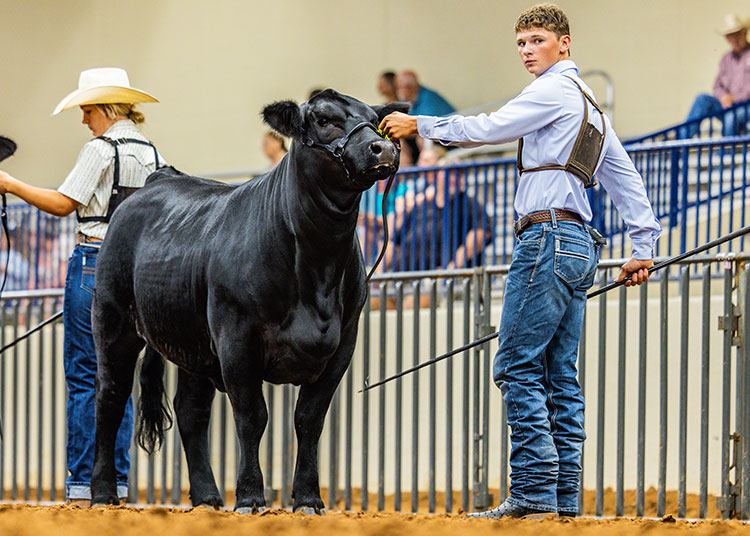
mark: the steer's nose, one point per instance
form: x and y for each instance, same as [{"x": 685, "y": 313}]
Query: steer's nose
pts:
[{"x": 379, "y": 146}]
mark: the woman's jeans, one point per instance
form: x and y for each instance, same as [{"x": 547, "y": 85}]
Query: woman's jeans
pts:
[
  {"x": 553, "y": 266},
  {"x": 80, "y": 371}
]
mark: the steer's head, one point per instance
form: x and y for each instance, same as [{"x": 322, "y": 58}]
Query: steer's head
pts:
[{"x": 341, "y": 131}]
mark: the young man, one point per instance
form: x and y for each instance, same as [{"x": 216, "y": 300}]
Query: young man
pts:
[{"x": 555, "y": 257}]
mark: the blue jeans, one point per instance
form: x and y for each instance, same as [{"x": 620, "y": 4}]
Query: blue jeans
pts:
[
  {"x": 553, "y": 265},
  {"x": 80, "y": 372},
  {"x": 705, "y": 105}
]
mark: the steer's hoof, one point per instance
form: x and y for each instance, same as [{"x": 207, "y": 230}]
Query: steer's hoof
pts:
[
  {"x": 209, "y": 506},
  {"x": 310, "y": 511},
  {"x": 251, "y": 509}
]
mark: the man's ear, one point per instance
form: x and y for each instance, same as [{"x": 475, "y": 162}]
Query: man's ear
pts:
[
  {"x": 386, "y": 109},
  {"x": 285, "y": 117}
]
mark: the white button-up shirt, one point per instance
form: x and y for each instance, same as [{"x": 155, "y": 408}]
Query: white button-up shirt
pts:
[{"x": 547, "y": 115}]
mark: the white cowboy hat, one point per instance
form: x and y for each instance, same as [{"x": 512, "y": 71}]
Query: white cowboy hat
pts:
[
  {"x": 105, "y": 85},
  {"x": 732, "y": 24}
]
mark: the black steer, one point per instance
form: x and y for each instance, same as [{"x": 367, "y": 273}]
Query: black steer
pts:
[{"x": 237, "y": 285}]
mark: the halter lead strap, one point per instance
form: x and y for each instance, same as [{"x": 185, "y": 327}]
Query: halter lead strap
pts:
[{"x": 587, "y": 141}]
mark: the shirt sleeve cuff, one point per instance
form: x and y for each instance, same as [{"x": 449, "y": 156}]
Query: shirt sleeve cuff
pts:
[
  {"x": 643, "y": 250},
  {"x": 425, "y": 126}
]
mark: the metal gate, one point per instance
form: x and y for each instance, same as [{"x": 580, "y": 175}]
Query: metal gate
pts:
[{"x": 663, "y": 367}]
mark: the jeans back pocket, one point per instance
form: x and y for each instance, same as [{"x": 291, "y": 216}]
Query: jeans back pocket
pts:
[{"x": 572, "y": 258}]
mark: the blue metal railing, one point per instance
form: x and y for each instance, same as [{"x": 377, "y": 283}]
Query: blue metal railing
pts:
[
  {"x": 698, "y": 189},
  {"x": 709, "y": 126}
]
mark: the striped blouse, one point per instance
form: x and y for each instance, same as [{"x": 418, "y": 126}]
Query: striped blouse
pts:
[{"x": 90, "y": 181}]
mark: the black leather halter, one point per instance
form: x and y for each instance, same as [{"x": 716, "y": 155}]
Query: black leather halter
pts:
[{"x": 337, "y": 147}]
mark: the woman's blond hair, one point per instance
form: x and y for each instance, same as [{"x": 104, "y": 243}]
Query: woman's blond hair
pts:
[{"x": 128, "y": 110}]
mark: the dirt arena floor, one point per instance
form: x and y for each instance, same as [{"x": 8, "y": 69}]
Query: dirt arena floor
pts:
[{"x": 28, "y": 520}]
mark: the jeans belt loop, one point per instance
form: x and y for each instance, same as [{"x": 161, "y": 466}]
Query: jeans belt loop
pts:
[{"x": 553, "y": 217}]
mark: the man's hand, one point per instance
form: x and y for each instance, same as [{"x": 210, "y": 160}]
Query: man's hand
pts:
[
  {"x": 726, "y": 100},
  {"x": 399, "y": 126},
  {"x": 637, "y": 270}
]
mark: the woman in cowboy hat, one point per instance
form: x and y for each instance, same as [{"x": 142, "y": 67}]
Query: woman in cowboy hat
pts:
[{"x": 115, "y": 162}]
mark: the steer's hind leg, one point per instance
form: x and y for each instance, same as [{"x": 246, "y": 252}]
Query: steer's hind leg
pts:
[
  {"x": 192, "y": 405},
  {"x": 117, "y": 347}
]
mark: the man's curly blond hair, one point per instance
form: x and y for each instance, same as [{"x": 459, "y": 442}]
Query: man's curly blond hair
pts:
[{"x": 547, "y": 16}]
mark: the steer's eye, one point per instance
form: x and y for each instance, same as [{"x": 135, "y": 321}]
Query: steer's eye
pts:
[{"x": 323, "y": 122}]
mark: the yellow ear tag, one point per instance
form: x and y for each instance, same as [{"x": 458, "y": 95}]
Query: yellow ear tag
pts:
[{"x": 383, "y": 135}]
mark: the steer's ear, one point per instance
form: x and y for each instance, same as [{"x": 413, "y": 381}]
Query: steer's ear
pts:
[
  {"x": 386, "y": 109},
  {"x": 286, "y": 118}
]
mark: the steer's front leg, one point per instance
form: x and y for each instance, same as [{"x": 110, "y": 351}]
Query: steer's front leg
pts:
[{"x": 309, "y": 416}]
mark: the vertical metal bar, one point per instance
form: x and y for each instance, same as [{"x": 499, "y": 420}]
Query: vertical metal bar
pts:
[
  {"x": 661, "y": 494},
  {"x": 620, "y": 493},
  {"x": 52, "y": 422},
  {"x": 348, "y": 443},
  {"x": 478, "y": 502},
  {"x": 705, "y": 372},
  {"x": 642, "y": 339},
  {"x": 600, "y": 410},
  {"x": 582, "y": 382},
  {"x": 465, "y": 495},
  {"x": 333, "y": 428},
  {"x": 745, "y": 356},
  {"x": 739, "y": 381},
  {"x": 286, "y": 447},
  {"x": 40, "y": 408},
  {"x": 398, "y": 435},
  {"x": 270, "y": 431},
  {"x": 449, "y": 292},
  {"x": 26, "y": 412},
  {"x": 365, "y": 403},
  {"x": 682, "y": 432},
  {"x": 486, "y": 388},
  {"x": 3, "y": 391},
  {"x": 381, "y": 405},
  {"x": 431, "y": 500},
  {"x": 14, "y": 411},
  {"x": 726, "y": 386},
  {"x": 151, "y": 469},
  {"x": 415, "y": 405}
]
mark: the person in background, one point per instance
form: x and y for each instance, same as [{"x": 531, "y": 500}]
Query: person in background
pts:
[
  {"x": 442, "y": 226},
  {"x": 424, "y": 101},
  {"x": 386, "y": 86},
  {"x": 118, "y": 155},
  {"x": 732, "y": 84},
  {"x": 555, "y": 255},
  {"x": 274, "y": 147}
]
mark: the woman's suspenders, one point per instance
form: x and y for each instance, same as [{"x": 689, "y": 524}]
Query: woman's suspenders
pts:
[
  {"x": 586, "y": 150},
  {"x": 119, "y": 193}
]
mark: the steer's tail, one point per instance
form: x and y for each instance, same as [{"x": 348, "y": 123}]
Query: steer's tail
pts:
[{"x": 154, "y": 417}]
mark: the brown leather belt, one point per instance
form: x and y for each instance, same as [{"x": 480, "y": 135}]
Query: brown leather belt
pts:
[
  {"x": 544, "y": 217},
  {"x": 83, "y": 239}
]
